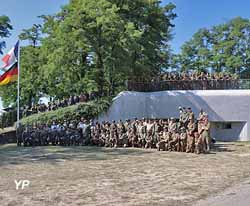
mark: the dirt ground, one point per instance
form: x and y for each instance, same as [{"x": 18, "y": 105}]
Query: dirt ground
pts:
[
  {"x": 104, "y": 176},
  {"x": 7, "y": 129}
]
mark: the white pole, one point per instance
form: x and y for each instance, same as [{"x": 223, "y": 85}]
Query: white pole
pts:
[{"x": 18, "y": 84}]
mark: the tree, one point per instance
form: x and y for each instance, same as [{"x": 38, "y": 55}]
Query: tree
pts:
[
  {"x": 32, "y": 34},
  {"x": 94, "y": 46},
  {"x": 224, "y": 47},
  {"x": 98, "y": 45},
  {"x": 5, "y": 28}
]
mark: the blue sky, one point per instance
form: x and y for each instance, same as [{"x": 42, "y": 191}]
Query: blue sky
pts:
[
  {"x": 195, "y": 14},
  {"x": 192, "y": 15}
]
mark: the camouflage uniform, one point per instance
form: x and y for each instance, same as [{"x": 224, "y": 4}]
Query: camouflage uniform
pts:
[
  {"x": 199, "y": 148},
  {"x": 183, "y": 140},
  {"x": 174, "y": 143},
  {"x": 149, "y": 137},
  {"x": 205, "y": 133},
  {"x": 121, "y": 132},
  {"x": 172, "y": 126},
  {"x": 161, "y": 144},
  {"x": 190, "y": 137},
  {"x": 142, "y": 133},
  {"x": 113, "y": 135}
]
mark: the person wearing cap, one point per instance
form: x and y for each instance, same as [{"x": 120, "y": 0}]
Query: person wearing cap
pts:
[{"x": 190, "y": 114}]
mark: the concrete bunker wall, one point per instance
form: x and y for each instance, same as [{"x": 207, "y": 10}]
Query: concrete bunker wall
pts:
[{"x": 232, "y": 106}]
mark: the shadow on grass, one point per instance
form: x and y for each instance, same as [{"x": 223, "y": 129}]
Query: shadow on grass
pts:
[
  {"x": 11, "y": 154},
  {"x": 220, "y": 147}
]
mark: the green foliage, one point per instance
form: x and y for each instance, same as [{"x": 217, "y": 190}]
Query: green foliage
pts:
[
  {"x": 32, "y": 34},
  {"x": 75, "y": 112},
  {"x": 97, "y": 45},
  {"x": 225, "y": 47},
  {"x": 8, "y": 119},
  {"x": 93, "y": 46},
  {"x": 5, "y": 28}
]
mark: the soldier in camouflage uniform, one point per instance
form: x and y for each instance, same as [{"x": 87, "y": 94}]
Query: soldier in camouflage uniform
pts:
[
  {"x": 204, "y": 132},
  {"x": 142, "y": 132},
  {"x": 199, "y": 143},
  {"x": 161, "y": 144},
  {"x": 149, "y": 137},
  {"x": 190, "y": 114},
  {"x": 172, "y": 126},
  {"x": 156, "y": 131},
  {"x": 183, "y": 140},
  {"x": 174, "y": 143},
  {"x": 190, "y": 137},
  {"x": 122, "y": 136},
  {"x": 113, "y": 135},
  {"x": 184, "y": 118},
  {"x": 165, "y": 134}
]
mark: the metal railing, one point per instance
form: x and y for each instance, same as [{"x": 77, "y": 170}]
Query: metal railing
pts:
[{"x": 188, "y": 85}]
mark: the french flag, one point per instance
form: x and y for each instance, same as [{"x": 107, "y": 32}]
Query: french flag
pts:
[{"x": 11, "y": 57}]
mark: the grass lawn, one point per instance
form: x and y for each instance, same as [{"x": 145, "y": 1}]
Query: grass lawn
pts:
[{"x": 105, "y": 176}]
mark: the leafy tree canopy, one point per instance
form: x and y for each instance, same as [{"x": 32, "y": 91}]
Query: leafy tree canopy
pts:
[
  {"x": 93, "y": 46},
  {"x": 5, "y": 28},
  {"x": 225, "y": 47}
]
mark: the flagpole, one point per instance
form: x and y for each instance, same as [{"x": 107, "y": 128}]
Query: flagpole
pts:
[{"x": 18, "y": 85}]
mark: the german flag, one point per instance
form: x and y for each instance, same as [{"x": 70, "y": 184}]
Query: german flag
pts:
[
  {"x": 11, "y": 66},
  {"x": 9, "y": 76}
]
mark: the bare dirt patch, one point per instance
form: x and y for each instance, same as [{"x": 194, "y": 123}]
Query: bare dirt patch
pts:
[
  {"x": 7, "y": 129},
  {"x": 105, "y": 176}
]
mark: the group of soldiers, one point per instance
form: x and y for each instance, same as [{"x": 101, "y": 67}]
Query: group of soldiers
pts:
[
  {"x": 57, "y": 133},
  {"x": 185, "y": 134},
  {"x": 194, "y": 75},
  {"x": 54, "y": 105},
  {"x": 185, "y": 81}
]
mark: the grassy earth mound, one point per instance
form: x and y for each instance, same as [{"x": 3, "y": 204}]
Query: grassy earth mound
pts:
[{"x": 87, "y": 110}]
